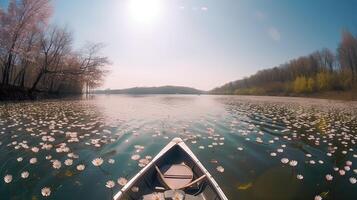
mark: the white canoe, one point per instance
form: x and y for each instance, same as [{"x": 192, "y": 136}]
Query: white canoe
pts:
[{"x": 174, "y": 173}]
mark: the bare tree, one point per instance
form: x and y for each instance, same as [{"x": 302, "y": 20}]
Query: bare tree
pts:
[
  {"x": 55, "y": 45},
  {"x": 347, "y": 53},
  {"x": 21, "y": 19}
]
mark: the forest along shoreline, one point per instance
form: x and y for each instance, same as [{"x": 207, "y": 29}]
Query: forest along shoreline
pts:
[
  {"x": 37, "y": 59},
  {"x": 322, "y": 74}
]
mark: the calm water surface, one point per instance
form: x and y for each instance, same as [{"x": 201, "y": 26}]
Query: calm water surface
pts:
[{"x": 249, "y": 137}]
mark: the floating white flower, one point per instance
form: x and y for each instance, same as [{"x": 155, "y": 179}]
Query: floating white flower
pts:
[
  {"x": 97, "y": 162},
  {"x": 122, "y": 181},
  {"x": 33, "y": 160},
  {"x": 220, "y": 169},
  {"x": 8, "y": 178},
  {"x": 35, "y": 149},
  {"x": 56, "y": 164},
  {"x": 293, "y": 163},
  {"x": 299, "y": 176},
  {"x": 318, "y": 197},
  {"x": 342, "y": 172},
  {"x": 80, "y": 167},
  {"x": 240, "y": 148},
  {"x": 329, "y": 177},
  {"x": 46, "y": 191},
  {"x": 68, "y": 162},
  {"x": 110, "y": 184},
  {"x": 19, "y": 159},
  {"x": 349, "y": 163},
  {"x": 111, "y": 161},
  {"x": 353, "y": 180},
  {"x": 284, "y": 160},
  {"x": 273, "y": 154},
  {"x": 25, "y": 174},
  {"x": 135, "y": 157}
]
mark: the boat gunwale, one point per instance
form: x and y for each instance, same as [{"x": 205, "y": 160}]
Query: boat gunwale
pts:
[{"x": 185, "y": 148}]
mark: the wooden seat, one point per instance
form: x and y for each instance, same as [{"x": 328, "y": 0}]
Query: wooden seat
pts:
[{"x": 175, "y": 176}]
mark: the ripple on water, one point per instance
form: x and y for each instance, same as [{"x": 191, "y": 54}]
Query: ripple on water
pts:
[{"x": 255, "y": 147}]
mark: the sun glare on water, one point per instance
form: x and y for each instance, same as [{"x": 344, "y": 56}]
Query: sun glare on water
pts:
[{"x": 145, "y": 11}]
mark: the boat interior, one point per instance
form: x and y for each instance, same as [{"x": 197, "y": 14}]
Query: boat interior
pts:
[{"x": 168, "y": 179}]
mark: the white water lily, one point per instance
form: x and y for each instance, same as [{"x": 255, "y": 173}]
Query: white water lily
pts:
[
  {"x": 68, "y": 162},
  {"x": 220, "y": 169},
  {"x": 353, "y": 180},
  {"x": 135, "y": 157},
  {"x": 342, "y": 172},
  {"x": 33, "y": 160},
  {"x": 46, "y": 191},
  {"x": 35, "y": 149},
  {"x": 111, "y": 161},
  {"x": 293, "y": 163},
  {"x": 284, "y": 160},
  {"x": 97, "y": 162},
  {"x": 122, "y": 181},
  {"x": 80, "y": 167},
  {"x": 299, "y": 176},
  {"x": 8, "y": 178},
  {"x": 110, "y": 184},
  {"x": 56, "y": 164},
  {"x": 318, "y": 197},
  {"x": 329, "y": 177},
  {"x": 19, "y": 159},
  {"x": 347, "y": 168},
  {"x": 25, "y": 174}
]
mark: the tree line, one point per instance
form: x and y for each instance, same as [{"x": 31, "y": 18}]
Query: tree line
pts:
[
  {"x": 320, "y": 71},
  {"x": 38, "y": 56}
]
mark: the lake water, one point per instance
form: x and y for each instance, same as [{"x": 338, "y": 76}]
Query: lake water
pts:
[{"x": 248, "y": 137}]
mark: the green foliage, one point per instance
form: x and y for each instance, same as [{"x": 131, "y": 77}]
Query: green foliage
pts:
[
  {"x": 300, "y": 84},
  {"x": 323, "y": 81},
  {"x": 310, "y": 87}
]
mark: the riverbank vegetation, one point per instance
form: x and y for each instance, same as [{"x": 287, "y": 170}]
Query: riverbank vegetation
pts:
[
  {"x": 39, "y": 57},
  {"x": 321, "y": 72}
]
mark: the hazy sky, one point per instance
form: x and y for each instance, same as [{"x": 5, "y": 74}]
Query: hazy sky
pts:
[{"x": 202, "y": 43}]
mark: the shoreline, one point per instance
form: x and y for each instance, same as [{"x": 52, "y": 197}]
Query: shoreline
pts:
[{"x": 15, "y": 94}]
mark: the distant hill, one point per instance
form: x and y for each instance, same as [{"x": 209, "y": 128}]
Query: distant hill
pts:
[{"x": 153, "y": 90}]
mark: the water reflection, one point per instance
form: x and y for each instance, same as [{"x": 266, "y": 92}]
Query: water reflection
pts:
[{"x": 256, "y": 148}]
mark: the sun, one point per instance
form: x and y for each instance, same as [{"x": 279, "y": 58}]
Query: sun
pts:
[{"x": 145, "y": 11}]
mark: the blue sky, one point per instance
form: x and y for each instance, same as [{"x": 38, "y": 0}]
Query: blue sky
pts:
[{"x": 202, "y": 43}]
